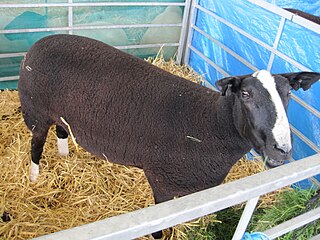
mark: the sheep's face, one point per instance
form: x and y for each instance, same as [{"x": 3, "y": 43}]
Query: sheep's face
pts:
[
  {"x": 263, "y": 100},
  {"x": 260, "y": 110}
]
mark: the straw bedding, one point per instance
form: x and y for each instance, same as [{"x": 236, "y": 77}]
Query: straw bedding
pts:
[{"x": 76, "y": 189}]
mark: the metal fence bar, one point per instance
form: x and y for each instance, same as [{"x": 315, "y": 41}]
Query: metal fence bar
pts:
[
  {"x": 92, "y": 4},
  {"x": 192, "y": 21},
  {"x": 245, "y": 218},
  {"x": 70, "y": 17},
  {"x": 184, "y": 31},
  {"x": 148, "y": 46},
  {"x": 167, "y": 214},
  {"x": 9, "y": 55},
  {"x": 27, "y": 30},
  {"x": 11, "y": 78},
  {"x": 306, "y": 23},
  {"x": 151, "y": 45},
  {"x": 312, "y": 180},
  {"x": 293, "y": 223},
  {"x": 276, "y": 42}
]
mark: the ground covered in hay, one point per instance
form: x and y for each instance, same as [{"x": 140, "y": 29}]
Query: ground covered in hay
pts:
[{"x": 76, "y": 189}]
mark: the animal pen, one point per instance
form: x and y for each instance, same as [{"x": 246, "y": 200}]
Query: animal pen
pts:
[{"x": 217, "y": 39}]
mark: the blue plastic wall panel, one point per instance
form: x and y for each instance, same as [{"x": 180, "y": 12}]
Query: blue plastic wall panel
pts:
[
  {"x": 305, "y": 122},
  {"x": 295, "y": 42},
  {"x": 208, "y": 72},
  {"x": 301, "y": 150},
  {"x": 301, "y": 45},
  {"x": 251, "y": 51},
  {"x": 234, "y": 67},
  {"x": 312, "y": 95},
  {"x": 304, "y": 184},
  {"x": 246, "y": 15}
]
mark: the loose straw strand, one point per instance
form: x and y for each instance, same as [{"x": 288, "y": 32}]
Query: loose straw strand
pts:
[{"x": 71, "y": 134}]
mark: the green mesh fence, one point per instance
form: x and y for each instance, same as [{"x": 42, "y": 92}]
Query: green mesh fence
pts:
[{"x": 57, "y": 17}]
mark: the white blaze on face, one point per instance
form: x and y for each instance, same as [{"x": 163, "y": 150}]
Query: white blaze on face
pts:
[{"x": 281, "y": 128}]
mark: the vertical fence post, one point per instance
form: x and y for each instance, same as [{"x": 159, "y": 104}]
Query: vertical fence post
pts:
[
  {"x": 184, "y": 30},
  {"x": 276, "y": 42},
  {"x": 192, "y": 21},
  {"x": 70, "y": 16},
  {"x": 245, "y": 218}
]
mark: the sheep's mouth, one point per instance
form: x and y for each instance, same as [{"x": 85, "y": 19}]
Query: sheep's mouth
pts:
[
  {"x": 269, "y": 161},
  {"x": 272, "y": 158},
  {"x": 272, "y": 163}
]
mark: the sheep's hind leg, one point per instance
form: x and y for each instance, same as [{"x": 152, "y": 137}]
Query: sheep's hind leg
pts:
[
  {"x": 62, "y": 136},
  {"x": 37, "y": 143}
]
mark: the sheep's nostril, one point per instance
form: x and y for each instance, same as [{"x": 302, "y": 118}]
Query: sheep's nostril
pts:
[{"x": 284, "y": 149}]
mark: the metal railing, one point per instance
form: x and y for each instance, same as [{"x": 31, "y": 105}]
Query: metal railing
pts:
[{"x": 145, "y": 221}]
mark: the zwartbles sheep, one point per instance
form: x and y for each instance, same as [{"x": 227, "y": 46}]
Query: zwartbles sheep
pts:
[{"x": 184, "y": 136}]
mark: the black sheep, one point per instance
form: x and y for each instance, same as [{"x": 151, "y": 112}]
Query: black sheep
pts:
[
  {"x": 305, "y": 15},
  {"x": 184, "y": 136}
]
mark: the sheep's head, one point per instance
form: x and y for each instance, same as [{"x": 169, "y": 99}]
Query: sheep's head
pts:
[{"x": 261, "y": 102}]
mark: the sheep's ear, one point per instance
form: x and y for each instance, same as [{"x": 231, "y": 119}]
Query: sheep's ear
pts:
[
  {"x": 228, "y": 85},
  {"x": 302, "y": 80}
]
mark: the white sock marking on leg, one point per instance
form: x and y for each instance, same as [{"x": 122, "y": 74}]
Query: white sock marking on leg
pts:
[
  {"x": 63, "y": 148},
  {"x": 34, "y": 171}
]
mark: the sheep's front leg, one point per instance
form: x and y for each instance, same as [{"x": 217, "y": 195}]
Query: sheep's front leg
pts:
[
  {"x": 62, "y": 136},
  {"x": 159, "y": 196}
]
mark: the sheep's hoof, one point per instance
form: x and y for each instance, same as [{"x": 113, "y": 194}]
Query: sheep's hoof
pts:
[
  {"x": 63, "y": 153},
  {"x": 152, "y": 238},
  {"x": 33, "y": 178},
  {"x": 157, "y": 235}
]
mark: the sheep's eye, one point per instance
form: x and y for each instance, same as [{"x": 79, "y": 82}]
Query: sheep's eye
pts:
[
  {"x": 289, "y": 93},
  {"x": 245, "y": 94}
]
